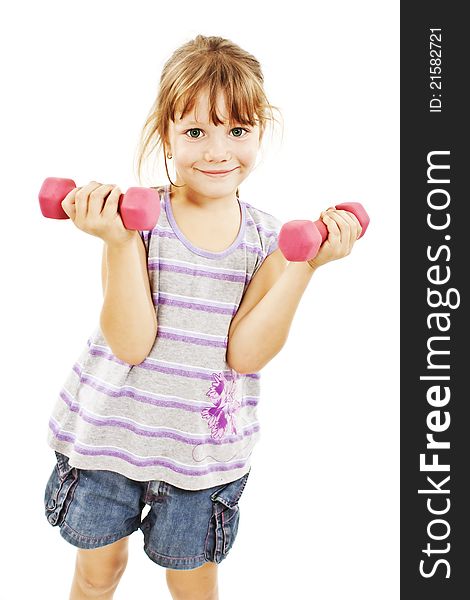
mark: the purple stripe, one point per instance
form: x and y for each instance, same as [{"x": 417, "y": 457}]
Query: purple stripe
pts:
[
  {"x": 149, "y": 432},
  {"x": 153, "y": 367},
  {"x": 273, "y": 246},
  {"x": 201, "y": 301},
  {"x": 126, "y": 392},
  {"x": 193, "y": 334},
  {"x": 166, "y": 233},
  {"x": 203, "y": 268},
  {"x": 266, "y": 232},
  {"x": 170, "y": 370},
  {"x": 190, "y": 340},
  {"x": 200, "y": 272},
  {"x": 144, "y": 365},
  {"x": 195, "y": 306},
  {"x": 146, "y": 462},
  {"x": 255, "y": 250}
]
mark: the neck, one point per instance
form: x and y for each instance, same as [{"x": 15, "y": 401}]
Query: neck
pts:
[{"x": 189, "y": 197}]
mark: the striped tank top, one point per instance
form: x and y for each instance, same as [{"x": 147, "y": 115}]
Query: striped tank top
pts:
[{"x": 182, "y": 415}]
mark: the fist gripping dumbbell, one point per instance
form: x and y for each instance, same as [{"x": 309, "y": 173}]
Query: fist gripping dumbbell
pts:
[
  {"x": 301, "y": 240},
  {"x": 139, "y": 207}
]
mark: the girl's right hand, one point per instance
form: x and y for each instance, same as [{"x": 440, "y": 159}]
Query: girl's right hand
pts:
[
  {"x": 93, "y": 208},
  {"x": 343, "y": 230}
]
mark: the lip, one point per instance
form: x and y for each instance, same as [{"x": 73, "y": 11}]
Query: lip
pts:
[{"x": 217, "y": 173}]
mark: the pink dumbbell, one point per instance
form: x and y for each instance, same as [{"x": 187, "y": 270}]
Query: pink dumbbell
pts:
[
  {"x": 301, "y": 240},
  {"x": 139, "y": 207}
]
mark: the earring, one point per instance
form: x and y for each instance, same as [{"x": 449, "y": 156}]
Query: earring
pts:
[{"x": 169, "y": 155}]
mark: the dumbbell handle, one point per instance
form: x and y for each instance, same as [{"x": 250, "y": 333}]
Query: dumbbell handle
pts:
[{"x": 139, "y": 207}]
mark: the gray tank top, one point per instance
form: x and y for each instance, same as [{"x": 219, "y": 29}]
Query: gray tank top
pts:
[{"x": 182, "y": 415}]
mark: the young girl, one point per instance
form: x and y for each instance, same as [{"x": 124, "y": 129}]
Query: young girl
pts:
[{"x": 160, "y": 407}]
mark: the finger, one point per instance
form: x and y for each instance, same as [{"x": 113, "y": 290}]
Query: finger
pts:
[
  {"x": 348, "y": 228},
  {"x": 356, "y": 228},
  {"x": 81, "y": 200},
  {"x": 342, "y": 224},
  {"x": 358, "y": 225},
  {"x": 98, "y": 198},
  {"x": 334, "y": 232},
  {"x": 68, "y": 204},
  {"x": 353, "y": 224},
  {"x": 324, "y": 211},
  {"x": 112, "y": 202}
]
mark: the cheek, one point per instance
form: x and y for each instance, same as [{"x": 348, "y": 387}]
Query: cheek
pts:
[
  {"x": 184, "y": 154},
  {"x": 249, "y": 155}
]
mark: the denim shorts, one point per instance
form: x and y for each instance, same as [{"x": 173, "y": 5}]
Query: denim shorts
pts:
[{"x": 182, "y": 530}]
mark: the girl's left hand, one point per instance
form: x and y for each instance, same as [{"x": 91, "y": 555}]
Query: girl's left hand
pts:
[{"x": 343, "y": 230}]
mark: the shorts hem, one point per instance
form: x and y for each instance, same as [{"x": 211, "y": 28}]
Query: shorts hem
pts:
[
  {"x": 191, "y": 562},
  {"x": 90, "y": 543}
]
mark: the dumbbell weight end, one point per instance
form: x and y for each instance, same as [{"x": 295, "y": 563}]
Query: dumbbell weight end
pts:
[{"x": 51, "y": 194}]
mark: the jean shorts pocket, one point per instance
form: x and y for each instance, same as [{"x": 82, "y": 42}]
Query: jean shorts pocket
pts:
[
  {"x": 223, "y": 525},
  {"x": 230, "y": 493},
  {"x": 59, "y": 490}
]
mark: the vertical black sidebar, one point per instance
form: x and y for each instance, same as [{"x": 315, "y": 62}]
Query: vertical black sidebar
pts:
[{"x": 435, "y": 270}]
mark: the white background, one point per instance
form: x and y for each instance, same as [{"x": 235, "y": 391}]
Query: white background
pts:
[{"x": 320, "y": 513}]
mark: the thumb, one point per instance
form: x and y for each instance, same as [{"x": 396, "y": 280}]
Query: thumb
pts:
[{"x": 68, "y": 204}]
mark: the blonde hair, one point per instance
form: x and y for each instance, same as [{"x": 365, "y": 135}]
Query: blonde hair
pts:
[{"x": 205, "y": 63}]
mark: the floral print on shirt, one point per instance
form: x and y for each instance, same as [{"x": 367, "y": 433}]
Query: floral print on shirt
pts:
[{"x": 225, "y": 395}]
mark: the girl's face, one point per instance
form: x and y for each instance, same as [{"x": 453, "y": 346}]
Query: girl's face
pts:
[{"x": 199, "y": 147}]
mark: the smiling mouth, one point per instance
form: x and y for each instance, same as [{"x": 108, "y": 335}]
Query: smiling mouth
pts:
[{"x": 217, "y": 172}]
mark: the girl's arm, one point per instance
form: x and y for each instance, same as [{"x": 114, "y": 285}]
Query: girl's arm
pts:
[
  {"x": 128, "y": 318},
  {"x": 262, "y": 328},
  {"x": 257, "y": 336}
]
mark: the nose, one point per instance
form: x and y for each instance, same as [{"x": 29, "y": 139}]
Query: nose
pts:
[{"x": 217, "y": 151}]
